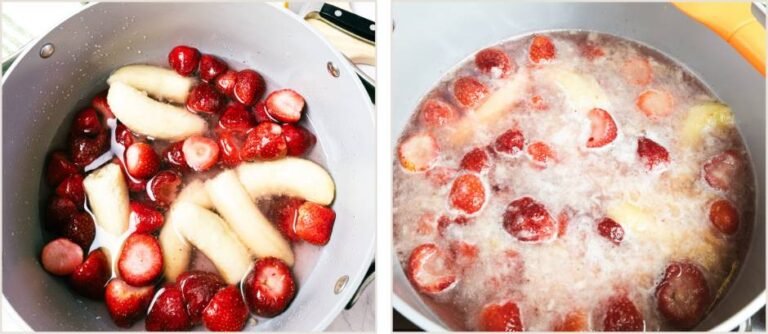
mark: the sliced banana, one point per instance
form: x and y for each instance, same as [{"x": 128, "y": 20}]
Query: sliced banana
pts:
[
  {"x": 290, "y": 176},
  {"x": 176, "y": 251},
  {"x": 703, "y": 118},
  {"x": 152, "y": 118},
  {"x": 582, "y": 91},
  {"x": 195, "y": 193},
  {"x": 211, "y": 235},
  {"x": 233, "y": 203},
  {"x": 162, "y": 83},
  {"x": 108, "y": 198}
]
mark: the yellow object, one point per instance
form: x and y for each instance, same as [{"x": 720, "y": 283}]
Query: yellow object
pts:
[
  {"x": 734, "y": 22},
  {"x": 702, "y": 118}
]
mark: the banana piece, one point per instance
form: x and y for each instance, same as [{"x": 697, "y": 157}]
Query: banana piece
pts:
[
  {"x": 108, "y": 198},
  {"x": 195, "y": 193},
  {"x": 582, "y": 90},
  {"x": 233, "y": 203},
  {"x": 152, "y": 118},
  {"x": 702, "y": 118},
  {"x": 176, "y": 250},
  {"x": 211, "y": 235},
  {"x": 290, "y": 176},
  {"x": 162, "y": 83}
]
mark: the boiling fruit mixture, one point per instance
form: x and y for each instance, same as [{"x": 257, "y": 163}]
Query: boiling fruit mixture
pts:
[
  {"x": 571, "y": 181},
  {"x": 180, "y": 193}
]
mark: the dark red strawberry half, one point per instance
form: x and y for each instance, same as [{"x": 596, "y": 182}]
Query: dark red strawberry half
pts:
[
  {"x": 168, "y": 312},
  {"x": 269, "y": 287},
  {"x": 430, "y": 270},
  {"x": 501, "y": 318},
  {"x": 184, "y": 59},
  {"x": 91, "y": 276},
  {"x": 285, "y": 105},
  {"x": 528, "y": 220},
  {"x": 198, "y": 288},
  {"x": 127, "y": 304},
  {"x": 683, "y": 295}
]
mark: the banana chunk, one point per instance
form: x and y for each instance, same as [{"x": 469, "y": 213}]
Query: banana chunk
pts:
[
  {"x": 582, "y": 90},
  {"x": 233, "y": 203},
  {"x": 703, "y": 118},
  {"x": 211, "y": 235},
  {"x": 108, "y": 198},
  {"x": 152, "y": 118},
  {"x": 195, "y": 193},
  {"x": 176, "y": 250},
  {"x": 290, "y": 176},
  {"x": 162, "y": 83}
]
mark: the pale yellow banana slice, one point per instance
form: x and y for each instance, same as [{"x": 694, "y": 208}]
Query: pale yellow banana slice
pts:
[
  {"x": 290, "y": 176},
  {"x": 176, "y": 250},
  {"x": 108, "y": 198},
  {"x": 162, "y": 83},
  {"x": 195, "y": 193},
  {"x": 702, "y": 118},
  {"x": 233, "y": 203},
  {"x": 582, "y": 91},
  {"x": 152, "y": 118}
]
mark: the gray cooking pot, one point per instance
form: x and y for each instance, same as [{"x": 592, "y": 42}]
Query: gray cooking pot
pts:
[
  {"x": 425, "y": 47},
  {"x": 40, "y": 94}
]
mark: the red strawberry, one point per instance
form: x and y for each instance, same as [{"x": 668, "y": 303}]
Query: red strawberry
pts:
[
  {"x": 721, "y": 169},
  {"x": 163, "y": 187},
  {"x": 436, "y": 113},
  {"x": 200, "y": 153},
  {"x": 501, "y": 318},
  {"x": 141, "y": 260},
  {"x": 724, "y": 216},
  {"x": 611, "y": 230},
  {"x": 123, "y": 135},
  {"x": 230, "y": 145},
  {"x": 467, "y": 193},
  {"x": 86, "y": 122},
  {"x": 211, "y": 67},
  {"x": 59, "y": 211},
  {"x": 144, "y": 218},
  {"x": 260, "y": 113},
  {"x": 226, "y": 312},
  {"x": 440, "y": 176},
  {"x": 174, "y": 156},
  {"x": 298, "y": 139},
  {"x": 637, "y": 71},
  {"x": 603, "y": 128},
  {"x": 528, "y": 220},
  {"x": 418, "y": 152},
  {"x": 542, "y": 49},
  {"x": 264, "y": 142},
  {"x": 539, "y": 103},
  {"x": 58, "y": 168},
  {"x": 249, "y": 87},
  {"x": 100, "y": 103},
  {"x": 85, "y": 150},
  {"x": 510, "y": 142},
  {"x": 494, "y": 62},
  {"x": 476, "y": 160},
  {"x": 204, "y": 98},
  {"x": 235, "y": 117},
  {"x": 622, "y": 315},
  {"x": 198, "y": 288},
  {"x": 655, "y": 104},
  {"x": 184, "y": 59},
  {"x": 81, "y": 229},
  {"x": 141, "y": 161},
  {"x": 284, "y": 213},
  {"x": 469, "y": 91},
  {"x": 430, "y": 270},
  {"x": 444, "y": 222},
  {"x": 168, "y": 312},
  {"x": 563, "y": 218},
  {"x": 683, "y": 295},
  {"x": 225, "y": 83},
  {"x": 127, "y": 304},
  {"x": 541, "y": 153},
  {"x": 651, "y": 153},
  {"x": 90, "y": 277},
  {"x": 314, "y": 223},
  {"x": 575, "y": 321},
  {"x": 285, "y": 105},
  {"x": 61, "y": 257},
  {"x": 269, "y": 287},
  {"x": 592, "y": 51},
  {"x": 72, "y": 188},
  {"x": 134, "y": 185}
]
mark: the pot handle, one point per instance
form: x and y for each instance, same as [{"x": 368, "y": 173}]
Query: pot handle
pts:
[
  {"x": 734, "y": 23},
  {"x": 370, "y": 275}
]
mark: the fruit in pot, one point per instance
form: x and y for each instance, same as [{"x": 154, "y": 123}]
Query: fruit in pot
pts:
[
  {"x": 226, "y": 311},
  {"x": 80, "y": 229},
  {"x": 270, "y": 287},
  {"x": 108, "y": 198},
  {"x": 249, "y": 87},
  {"x": 168, "y": 312},
  {"x": 204, "y": 99},
  {"x": 200, "y": 153},
  {"x": 418, "y": 152},
  {"x": 225, "y": 83},
  {"x": 198, "y": 288},
  {"x": 211, "y": 67},
  {"x": 314, "y": 223},
  {"x": 127, "y": 304},
  {"x": 285, "y": 105},
  {"x": 158, "y": 82},
  {"x": 298, "y": 139},
  {"x": 141, "y": 161},
  {"x": 289, "y": 176},
  {"x": 91, "y": 276},
  {"x": 184, "y": 59},
  {"x": 264, "y": 142},
  {"x": 430, "y": 270},
  {"x": 61, "y": 257},
  {"x": 501, "y": 318},
  {"x": 58, "y": 168},
  {"x": 141, "y": 260},
  {"x": 163, "y": 187},
  {"x": 145, "y": 219}
]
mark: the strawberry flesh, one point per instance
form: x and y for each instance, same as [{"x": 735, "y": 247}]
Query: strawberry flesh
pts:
[
  {"x": 270, "y": 287},
  {"x": 127, "y": 304},
  {"x": 87, "y": 123},
  {"x": 235, "y": 117},
  {"x": 141, "y": 260},
  {"x": 721, "y": 170},
  {"x": 91, "y": 276},
  {"x": 528, "y": 220},
  {"x": 430, "y": 270},
  {"x": 476, "y": 160},
  {"x": 225, "y": 83},
  {"x": 683, "y": 295},
  {"x": 655, "y": 104},
  {"x": 469, "y": 92},
  {"x": 501, "y": 318},
  {"x": 418, "y": 152},
  {"x": 724, "y": 216},
  {"x": 230, "y": 146},
  {"x": 285, "y": 105},
  {"x": 72, "y": 188},
  {"x": 283, "y": 212},
  {"x": 99, "y": 102},
  {"x": 622, "y": 316},
  {"x": 226, "y": 312},
  {"x": 123, "y": 135},
  {"x": 637, "y": 71},
  {"x": 141, "y": 161},
  {"x": 611, "y": 230},
  {"x": 467, "y": 193},
  {"x": 651, "y": 153},
  {"x": 145, "y": 219},
  {"x": 200, "y": 153},
  {"x": 510, "y": 142},
  {"x": 173, "y": 156},
  {"x": 542, "y": 49},
  {"x": 494, "y": 62},
  {"x": 436, "y": 113},
  {"x": 603, "y": 129},
  {"x": 85, "y": 150},
  {"x": 80, "y": 229},
  {"x": 314, "y": 223},
  {"x": 198, "y": 288},
  {"x": 58, "y": 212},
  {"x": 204, "y": 99},
  {"x": 264, "y": 142},
  {"x": 163, "y": 188}
]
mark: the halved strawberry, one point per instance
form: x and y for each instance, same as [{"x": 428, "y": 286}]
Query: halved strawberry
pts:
[
  {"x": 528, "y": 220},
  {"x": 269, "y": 288},
  {"x": 225, "y": 83},
  {"x": 99, "y": 102},
  {"x": 134, "y": 185},
  {"x": 418, "y": 152},
  {"x": 235, "y": 117},
  {"x": 501, "y": 318},
  {"x": 123, "y": 135},
  {"x": 298, "y": 139},
  {"x": 141, "y": 260},
  {"x": 284, "y": 213},
  {"x": 198, "y": 288},
  {"x": 467, "y": 193},
  {"x": 494, "y": 62},
  {"x": 86, "y": 122},
  {"x": 230, "y": 145},
  {"x": 541, "y": 153},
  {"x": 141, "y": 161},
  {"x": 174, "y": 156},
  {"x": 721, "y": 169},
  {"x": 724, "y": 216},
  {"x": 444, "y": 222},
  {"x": 80, "y": 229},
  {"x": 591, "y": 51},
  {"x": 430, "y": 270},
  {"x": 58, "y": 212},
  {"x": 436, "y": 113},
  {"x": 622, "y": 315},
  {"x": 145, "y": 219},
  {"x": 72, "y": 188},
  {"x": 651, "y": 153},
  {"x": 476, "y": 160},
  {"x": 542, "y": 49},
  {"x": 314, "y": 223},
  {"x": 264, "y": 142},
  {"x": 510, "y": 142},
  {"x": 260, "y": 113},
  {"x": 204, "y": 98},
  {"x": 91, "y": 276},
  {"x": 249, "y": 87},
  {"x": 563, "y": 219},
  {"x": 85, "y": 150},
  {"x": 441, "y": 175},
  {"x": 469, "y": 92},
  {"x": 211, "y": 67},
  {"x": 611, "y": 230},
  {"x": 575, "y": 321},
  {"x": 200, "y": 153},
  {"x": 226, "y": 312},
  {"x": 168, "y": 312},
  {"x": 655, "y": 104},
  {"x": 127, "y": 304},
  {"x": 285, "y": 105},
  {"x": 61, "y": 257},
  {"x": 58, "y": 168},
  {"x": 637, "y": 71},
  {"x": 184, "y": 59},
  {"x": 603, "y": 128},
  {"x": 683, "y": 295}
]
